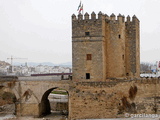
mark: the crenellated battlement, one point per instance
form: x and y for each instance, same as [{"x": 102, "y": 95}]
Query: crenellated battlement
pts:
[
  {"x": 102, "y": 16},
  {"x": 110, "y": 42}
]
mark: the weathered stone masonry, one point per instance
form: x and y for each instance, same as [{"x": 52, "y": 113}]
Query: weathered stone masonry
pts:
[
  {"x": 107, "y": 84},
  {"x": 113, "y": 99},
  {"x": 94, "y": 99},
  {"x": 113, "y": 45}
]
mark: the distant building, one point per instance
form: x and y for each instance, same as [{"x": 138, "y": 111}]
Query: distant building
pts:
[{"x": 154, "y": 68}]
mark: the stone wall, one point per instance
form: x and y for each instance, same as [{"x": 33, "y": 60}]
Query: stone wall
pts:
[
  {"x": 59, "y": 106},
  {"x": 111, "y": 99},
  {"x": 114, "y": 98},
  {"x": 91, "y": 43}
]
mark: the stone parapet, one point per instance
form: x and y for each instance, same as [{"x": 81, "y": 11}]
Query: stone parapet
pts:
[{"x": 102, "y": 16}]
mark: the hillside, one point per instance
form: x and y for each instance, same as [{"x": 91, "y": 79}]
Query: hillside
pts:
[{"x": 3, "y": 63}]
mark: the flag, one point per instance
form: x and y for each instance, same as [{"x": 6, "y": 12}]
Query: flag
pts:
[{"x": 79, "y": 6}]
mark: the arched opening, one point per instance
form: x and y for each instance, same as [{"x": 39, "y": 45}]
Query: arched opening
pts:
[
  {"x": 7, "y": 103},
  {"x": 54, "y": 102}
]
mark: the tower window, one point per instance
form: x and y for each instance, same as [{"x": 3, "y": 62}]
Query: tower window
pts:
[
  {"x": 119, "y": 36},
  {"x": 87, "y": 33},
  {"x": 127, "y": 74},
  {"x": 123, "y": 57},
  {"x": 89, "y": 57},
  {"x": 87, "y": 75}
]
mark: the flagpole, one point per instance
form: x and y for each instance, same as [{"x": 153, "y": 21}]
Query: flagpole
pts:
[
  {"x": 82, "y": 10},
  {"x": 79, "y": 7}
]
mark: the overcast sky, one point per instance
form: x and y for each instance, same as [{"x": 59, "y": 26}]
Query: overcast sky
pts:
[{"x": 40, "y": 30}]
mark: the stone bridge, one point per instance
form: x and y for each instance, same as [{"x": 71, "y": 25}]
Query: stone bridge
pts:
[
  {"x": 32, "y": 93},
  {"x": 87, "y": 100}
]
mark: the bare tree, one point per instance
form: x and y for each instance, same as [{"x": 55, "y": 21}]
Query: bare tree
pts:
[{"x": 145, "y": 67}]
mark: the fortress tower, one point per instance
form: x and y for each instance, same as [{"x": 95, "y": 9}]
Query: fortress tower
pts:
[{"x": 104, "y": 47}]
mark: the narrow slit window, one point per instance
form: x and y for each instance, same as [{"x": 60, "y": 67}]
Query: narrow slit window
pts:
[
  {"x": 123, "y": 57},
  {"x": 87, "y": 75},
  {"x": 119, "y": 36},
  {"x": 87, "y": 33},
  {"x": 89, "y": 57}
]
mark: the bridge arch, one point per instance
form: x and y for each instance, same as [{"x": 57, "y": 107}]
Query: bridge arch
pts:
[
  {"x": 32, "y": 93},
  {"x": 45, "y": 107}
]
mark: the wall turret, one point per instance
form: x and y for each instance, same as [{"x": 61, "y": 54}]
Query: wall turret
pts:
[
  {"x": 106, "y": 16},
  {"x": 132, "y": 47},
  {"x": 135, "y": 19},
  {"x": 120, "y": 18},
  {"x": 100, "y": 15},
  {"x": 74, "y": 17},
  {"x": 115, "y": 46},
  {"x": 112, "y": 17},
  {"x": 86, "y": 16},
  {"x": 93, "y": 16},
  {"x": 80, "y": 16},
  {"x": 128, "y": 18},
  {"x": 123, "y": 18}
]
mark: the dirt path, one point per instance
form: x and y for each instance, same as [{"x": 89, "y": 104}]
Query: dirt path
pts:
[{"x": 52, "y": 116}]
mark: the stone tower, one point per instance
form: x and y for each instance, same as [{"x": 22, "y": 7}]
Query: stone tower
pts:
[
  {"x": 104, "y": 47},
  {"x": 132, "y": 48}
]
